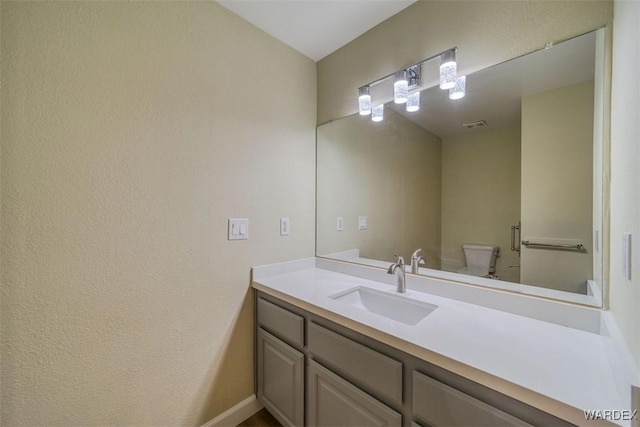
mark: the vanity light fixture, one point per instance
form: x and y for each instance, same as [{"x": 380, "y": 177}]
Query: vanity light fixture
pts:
[
  {"x": 458, "y": 90},
  {"x": 377, "y": 113},
  {"x": 400, "y": 87},
  {"x": 409, "y": 79},
  {"x": 413, "y": 101},
  {"x": 364, "y": 101},
  {"x": 448, "y": 68}
]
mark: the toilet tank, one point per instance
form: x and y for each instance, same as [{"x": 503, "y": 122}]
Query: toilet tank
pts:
[{"x": 481, "y": 256}]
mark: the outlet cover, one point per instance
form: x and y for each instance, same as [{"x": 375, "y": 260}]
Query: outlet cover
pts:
[
  {"x": 362, "y": 223},
  {"x": 284, "y": 226}
]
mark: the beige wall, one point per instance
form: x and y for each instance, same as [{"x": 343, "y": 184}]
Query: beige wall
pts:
[
  {"x": 486, "y": 33},
  {"x": 131, "y": 132},
  {"x": 625, "y": 171},
  {"x": 388, "y": 171},
  {"x": 557, "y": 186},
  {"x": 481, "y": 196}
]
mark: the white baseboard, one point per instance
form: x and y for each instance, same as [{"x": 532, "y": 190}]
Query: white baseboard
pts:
[{"x": 234, "y": 416}]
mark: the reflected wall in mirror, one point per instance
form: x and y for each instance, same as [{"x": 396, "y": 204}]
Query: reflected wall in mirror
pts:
[{"x": 423, "y": 180}]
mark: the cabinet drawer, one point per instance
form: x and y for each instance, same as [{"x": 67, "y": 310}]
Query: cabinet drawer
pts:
[
  {"x": 335, "y": 402},
  {"x": 371, "y": 369},
  {"x": 281, "y": 322},
  {"x": 440, "y": 405}
]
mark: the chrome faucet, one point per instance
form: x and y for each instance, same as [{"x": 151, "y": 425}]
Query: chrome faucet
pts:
[
  {"x": 398, "y": 269},
  {"x": 416, "y": 260}
]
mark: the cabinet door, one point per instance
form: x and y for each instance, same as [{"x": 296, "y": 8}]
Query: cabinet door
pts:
[
  {"x": 335, "y": 402},
  {"x": 280, "y": 379}
]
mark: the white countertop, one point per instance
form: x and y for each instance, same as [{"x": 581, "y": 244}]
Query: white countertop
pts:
[{"x": 558, "y": 369}]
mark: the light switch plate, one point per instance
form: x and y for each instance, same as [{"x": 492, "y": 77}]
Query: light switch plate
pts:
[
  {"x": 284, "y": 226},
  {"x": 362, "y": 223},
  {"x": 238, "y": 229},
  {"x": 340, "y": 224}
]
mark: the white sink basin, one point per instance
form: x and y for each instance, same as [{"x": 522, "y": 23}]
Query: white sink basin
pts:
[{"x": 395, "y": 307}]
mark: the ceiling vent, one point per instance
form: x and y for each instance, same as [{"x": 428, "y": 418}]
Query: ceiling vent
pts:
[{"x": 474, "y": 125}]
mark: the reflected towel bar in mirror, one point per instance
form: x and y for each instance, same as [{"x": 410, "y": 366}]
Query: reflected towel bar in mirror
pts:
[{"x": 576, "y": 247}]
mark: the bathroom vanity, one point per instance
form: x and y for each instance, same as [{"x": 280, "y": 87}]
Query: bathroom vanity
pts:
[{"x": 337, "y": 345}]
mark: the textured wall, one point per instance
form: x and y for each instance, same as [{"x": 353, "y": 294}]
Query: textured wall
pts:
[
  {"x": 486, "y": 33},
  {"x": 130, "y": 133},
  {"x": 388, "y": 171},
  {"x": 481, "y": 196},
  {"x": 625, "y": 174}
]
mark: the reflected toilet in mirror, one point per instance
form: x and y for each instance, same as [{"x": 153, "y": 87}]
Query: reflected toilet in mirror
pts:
[{"x": 481, "y": 260}]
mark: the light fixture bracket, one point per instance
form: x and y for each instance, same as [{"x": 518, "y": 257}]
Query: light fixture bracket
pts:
[
  {"x": 413, "y": 76},
  {"x": 413, "y": 71}
]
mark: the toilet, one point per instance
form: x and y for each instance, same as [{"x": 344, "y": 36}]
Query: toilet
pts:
[{"x": 481, "y": 260}]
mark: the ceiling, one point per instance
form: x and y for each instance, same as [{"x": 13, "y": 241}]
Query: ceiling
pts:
[{"x": 315, "y": 28}]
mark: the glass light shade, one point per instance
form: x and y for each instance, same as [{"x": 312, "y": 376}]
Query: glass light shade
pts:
[
  {"x": 458, "y": 90},
  {"x": 364, "y": 101},
  {"x": 400, "y": 88},
  {"x": 413, "y": 102},
  {"x": 448, "y": 69},
  {"x": 377, "y": 113}
]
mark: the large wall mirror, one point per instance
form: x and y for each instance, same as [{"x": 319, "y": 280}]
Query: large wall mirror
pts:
[{"x": 514, "y": 168}]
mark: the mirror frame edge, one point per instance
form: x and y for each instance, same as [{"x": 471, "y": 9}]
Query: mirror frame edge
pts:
[{"x": 606, "y": 164}]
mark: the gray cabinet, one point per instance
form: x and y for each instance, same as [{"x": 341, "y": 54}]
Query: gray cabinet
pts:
[
  {"x": 354, "y": 380},
  {"x": 367, "y": 368},
  {"x": 280, "y": 322},
  {"x": 440, "y": 405},
  {"x": 280, "y": 379},
  {"x": 334, "y": 402}
]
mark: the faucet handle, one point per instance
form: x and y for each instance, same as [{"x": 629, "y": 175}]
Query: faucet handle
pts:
[
  {"x": 400, "y": 259},
  {"x": 416, "y": 254}
]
